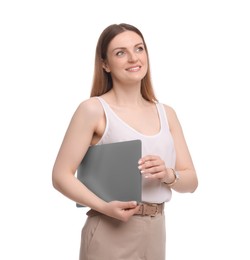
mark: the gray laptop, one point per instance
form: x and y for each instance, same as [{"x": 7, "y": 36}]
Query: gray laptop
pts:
[{"x": 111, "y": 171}]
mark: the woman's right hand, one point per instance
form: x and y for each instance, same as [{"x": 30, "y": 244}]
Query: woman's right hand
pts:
[{"x": 121, "y": 210}]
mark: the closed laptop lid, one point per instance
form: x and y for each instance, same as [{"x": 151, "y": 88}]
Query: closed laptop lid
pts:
[{"x": 111, "y": 171}]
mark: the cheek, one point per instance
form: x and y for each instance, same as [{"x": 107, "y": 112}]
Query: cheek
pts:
[
  {"x": 115, "y": 64},
  {"x": 145, "y": 64},
  {"x": 144, "y": 60}
]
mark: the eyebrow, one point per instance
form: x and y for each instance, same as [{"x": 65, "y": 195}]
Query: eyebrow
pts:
[{"x": 122, "y": 48}]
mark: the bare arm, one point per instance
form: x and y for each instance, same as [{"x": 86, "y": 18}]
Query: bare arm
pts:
[
  {"x": 82, "y": 132},
  {"x": 74, "y": 146},
  {"x": 154, "y": 167},
  {"x": 184, "y": 165}
]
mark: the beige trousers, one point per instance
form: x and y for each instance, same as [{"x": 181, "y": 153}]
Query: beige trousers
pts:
[{"x": 141, "y": 238}]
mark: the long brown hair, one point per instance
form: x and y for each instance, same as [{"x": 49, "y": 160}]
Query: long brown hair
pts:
[{"x": 102, "y": 80}]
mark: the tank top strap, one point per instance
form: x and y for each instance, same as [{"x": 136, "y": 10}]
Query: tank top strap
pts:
[
  {"x": 104, "y": 104},
  {"x": 160, "y": 107},
  {"x": 163, "y": 117}
]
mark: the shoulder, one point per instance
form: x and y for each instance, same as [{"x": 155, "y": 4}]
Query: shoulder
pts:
[
  {"x": 171, "y": 115},
  {"x": 90, "y": 109},
  {"x": 90, "y": 106},
  {"x": 169, "y": 111}
]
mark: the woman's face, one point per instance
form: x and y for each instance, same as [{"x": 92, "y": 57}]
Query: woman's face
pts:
[{"x": 127, "y": 59}]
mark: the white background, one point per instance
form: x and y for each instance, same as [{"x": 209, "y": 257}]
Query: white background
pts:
[{"x": 200, "y": 60}]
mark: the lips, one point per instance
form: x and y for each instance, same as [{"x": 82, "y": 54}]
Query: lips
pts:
[{"x": 134, "y": 68}]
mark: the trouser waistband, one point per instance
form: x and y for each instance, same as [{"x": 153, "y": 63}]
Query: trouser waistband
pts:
[
  {"x": 150, "y": 209},
  {"x": 146, "y": 209}
]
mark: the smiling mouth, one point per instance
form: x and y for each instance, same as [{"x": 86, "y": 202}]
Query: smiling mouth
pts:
[{"x": 134, "y": 69}]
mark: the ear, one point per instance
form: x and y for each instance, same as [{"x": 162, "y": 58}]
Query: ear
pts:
[{"x": 105, "y": 66}]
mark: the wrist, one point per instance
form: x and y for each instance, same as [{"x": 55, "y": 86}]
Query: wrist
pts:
[{"x": 174, "y": 179}]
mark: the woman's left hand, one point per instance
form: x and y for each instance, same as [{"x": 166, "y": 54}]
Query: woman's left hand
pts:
[{"x": 153, "y": 167}]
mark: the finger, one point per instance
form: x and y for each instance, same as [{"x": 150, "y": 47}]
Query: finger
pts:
[
  {"x": 153, "y": 169},
  {"x": 147, "y": 158},
  {"x": 127, "y": 204},
  {"x": 130, "y": 212},
  {"x": 158, "y": 175},
  {"x": 147, "y": 164},
  {"x": 151, "y": 163}
]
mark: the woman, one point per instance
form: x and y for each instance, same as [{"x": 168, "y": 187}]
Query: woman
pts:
[{"x": 123, "y": 107}]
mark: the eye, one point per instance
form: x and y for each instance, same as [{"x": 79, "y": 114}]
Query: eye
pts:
[
  {"x": 120, "y": 53},
  {"x": 140, "y": 49}
]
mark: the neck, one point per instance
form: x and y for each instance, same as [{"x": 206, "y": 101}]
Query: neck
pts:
[{"x": 129, "y": 95}]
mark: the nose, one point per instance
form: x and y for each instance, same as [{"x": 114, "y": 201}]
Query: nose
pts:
[{"x": 132, "y": 57}]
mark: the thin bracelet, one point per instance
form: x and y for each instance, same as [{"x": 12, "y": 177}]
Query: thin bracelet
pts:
[{"x": 176, "y": 178}]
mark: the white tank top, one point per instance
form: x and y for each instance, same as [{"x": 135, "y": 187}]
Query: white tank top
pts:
[{"x": 161, "y": 144}]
